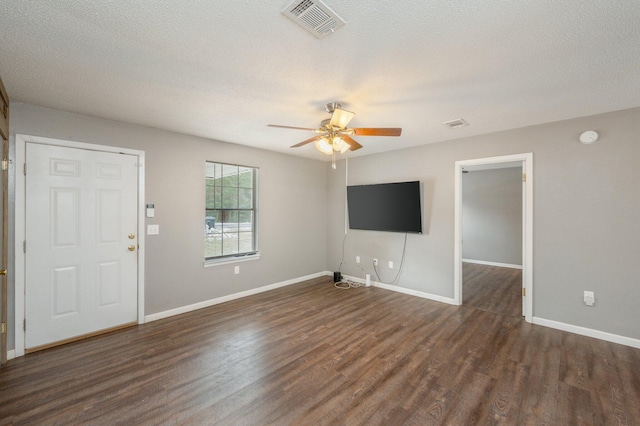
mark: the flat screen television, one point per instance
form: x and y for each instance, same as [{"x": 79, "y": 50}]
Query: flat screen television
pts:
[{"x": 393, "y": 207}]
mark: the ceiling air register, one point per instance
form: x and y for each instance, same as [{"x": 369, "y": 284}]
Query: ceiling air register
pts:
[{"x": 314, "y": 16}]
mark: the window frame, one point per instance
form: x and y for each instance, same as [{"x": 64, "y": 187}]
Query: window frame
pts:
[{"x": 237, "y": 257}]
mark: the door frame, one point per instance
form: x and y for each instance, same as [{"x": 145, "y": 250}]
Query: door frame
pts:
[
  {"x": 527, "y": 225},
  {"x": 20, "y": 225}
]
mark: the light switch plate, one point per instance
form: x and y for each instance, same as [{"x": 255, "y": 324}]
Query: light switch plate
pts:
[
  {"x": 153, "y": 229},
  {"x": 589, "y": 298}
]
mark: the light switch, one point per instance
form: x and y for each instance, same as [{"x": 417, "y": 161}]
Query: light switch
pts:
[
  {"x": 589, "y": 298},
  {"x": 153, "y": 229}
]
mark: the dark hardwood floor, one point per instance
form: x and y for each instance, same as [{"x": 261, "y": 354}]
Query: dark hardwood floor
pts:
[
  {"x": 492, "y": 288},
  {"x": 312, "y": 354}
]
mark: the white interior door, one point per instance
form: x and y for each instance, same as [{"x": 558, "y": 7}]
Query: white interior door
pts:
[{"x": 81, "y": 242}]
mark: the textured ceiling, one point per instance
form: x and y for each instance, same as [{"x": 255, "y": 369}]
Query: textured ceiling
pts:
[{"x": 225, "y": 69}]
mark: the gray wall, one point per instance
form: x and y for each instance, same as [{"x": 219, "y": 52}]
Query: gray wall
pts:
[
  {"x": 492, "y": 215},
  {"x": 586, "y": 213},
  {"x": 586, "y": 216},
  {"x": 292, "y": 207}
]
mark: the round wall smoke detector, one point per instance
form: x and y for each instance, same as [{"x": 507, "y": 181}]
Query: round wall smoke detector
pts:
[{"x": 589, "y": 137}]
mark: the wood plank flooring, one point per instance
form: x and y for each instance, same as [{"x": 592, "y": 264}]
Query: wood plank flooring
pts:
[
  {"x": 312, "y": 354},
  {"x": 492, "y": 288}
]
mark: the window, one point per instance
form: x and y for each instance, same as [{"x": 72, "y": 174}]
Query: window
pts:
[{"x": 230, "y": 211}]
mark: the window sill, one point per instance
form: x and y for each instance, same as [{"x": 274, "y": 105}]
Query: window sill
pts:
[{"x": 228, "y": 260}]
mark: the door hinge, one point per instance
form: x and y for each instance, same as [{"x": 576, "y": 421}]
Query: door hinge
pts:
[
  {"x": 524, "y": 292},
  {"x": 4, "y": 328},
  {"x": 524, "y": 177},
  {"x": 5, "y": 164},
  {"x": 25, "y": 169},
  {"x": 24, "y": 325},
  {"x": 24, "y": 246}
]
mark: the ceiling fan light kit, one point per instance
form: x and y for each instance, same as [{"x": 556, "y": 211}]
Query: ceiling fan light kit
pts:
[
  {"x": 334, "y": 135},
  {"x": 323, "y": 146}
]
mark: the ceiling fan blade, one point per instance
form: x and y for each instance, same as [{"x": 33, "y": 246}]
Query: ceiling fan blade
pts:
[
  {"x": 389, "y": 131},
  {"x": 290, "y": 127},
  {"x": 340, "y": 118},
  {"x": 315, "y": 138},
  {"x": 353, "y": 144}
]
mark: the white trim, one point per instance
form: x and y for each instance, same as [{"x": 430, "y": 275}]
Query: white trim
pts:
[
  {"x": 486, "y": 262},
  {"x": 404, "y": 290},
  {"x": 228, "y": 260},
  {"x": 11, "y": 354},
  {"x": 21, "y": 141},
  {"x": 218, "y": 300},
  {"x": 527, "y": 225},
  {"x": 583, "y": 331}
]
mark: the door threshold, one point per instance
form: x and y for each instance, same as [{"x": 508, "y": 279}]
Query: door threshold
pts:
[{"x": 81, "y": 337}]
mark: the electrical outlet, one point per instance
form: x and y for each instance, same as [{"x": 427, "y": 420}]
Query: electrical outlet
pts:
[
  {"x": 391, "y": 264},
  {"x": 236, "y": 270},
  {"x": 589, "y": 298},
  {"x": 375, "y": 262},
  {"x": 357, "y": 259}
]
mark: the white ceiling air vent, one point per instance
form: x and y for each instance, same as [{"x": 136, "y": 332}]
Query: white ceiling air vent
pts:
[
  {"x": 314, "y": 16},
  {"x": 456, "y": 124}
]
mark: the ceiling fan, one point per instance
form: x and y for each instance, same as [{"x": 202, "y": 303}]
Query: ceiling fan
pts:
[{"x": 333, "y": 135}]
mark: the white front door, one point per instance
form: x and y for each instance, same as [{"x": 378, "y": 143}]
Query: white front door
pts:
[{"x": 81, "y": 242}]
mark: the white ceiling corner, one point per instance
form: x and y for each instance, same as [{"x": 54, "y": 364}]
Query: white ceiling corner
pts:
[{"x": 224, "y": 70}]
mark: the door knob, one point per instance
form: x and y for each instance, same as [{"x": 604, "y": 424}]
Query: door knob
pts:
[
  {"x": 3, "y": 272},
  {"x": 132, "y": 236},
  {"x": 132, "y": 248}
]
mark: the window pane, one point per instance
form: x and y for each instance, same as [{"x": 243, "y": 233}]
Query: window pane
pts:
[
  {"x": 210, "y": 169},
  {"x": 245, "y": 198},
  {"x": 245, "y": 217},
  {"x": 209, "y": 223},
  {"x": 229, "y": 198},
  {"x": 213, "y": 245},
  {"x": 229, "y": 175},
  {"x": 229, "y": 239},
  {"x": 246, "y": 242},
  {"x": 245, "y": 177},
  {"x": 217, "y": 194},
  {"x": 218, "y": 171},
  {"x": 230, "y": 244},
  {"x": 209, "y": 194}
]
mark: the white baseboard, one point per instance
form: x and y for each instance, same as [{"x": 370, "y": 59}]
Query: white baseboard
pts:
[
  {"x": 583, "y": 331},
  {"x": 403, "y": 290},
  {"x": 485, "y": 262},
  {"x": 216, "y": 301},
  {"x": 11, "y": 354}
]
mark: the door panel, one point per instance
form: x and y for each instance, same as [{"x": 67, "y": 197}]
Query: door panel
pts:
[{"x": 81, "y": 211}]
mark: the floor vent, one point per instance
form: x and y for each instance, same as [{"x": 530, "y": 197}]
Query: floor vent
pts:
[
  {"x": 456, "y": 124},
  {"x": 314, "y": 16}
]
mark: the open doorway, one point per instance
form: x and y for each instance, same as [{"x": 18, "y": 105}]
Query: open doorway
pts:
[
  {"x": 492, "y": 237},
  {"x": 493, "y": 271}
]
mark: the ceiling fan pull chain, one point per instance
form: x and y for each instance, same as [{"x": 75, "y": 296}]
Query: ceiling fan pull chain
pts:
[{"x": 333, "y": 160}]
